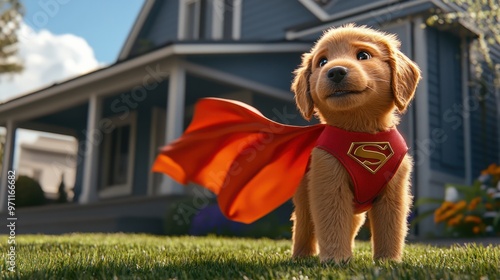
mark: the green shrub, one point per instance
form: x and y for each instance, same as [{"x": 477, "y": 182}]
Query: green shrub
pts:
[
  {"x": 28, "y": 192},
  {"x": 179, "y": 216},
  {"x": 185, "y": 217}
]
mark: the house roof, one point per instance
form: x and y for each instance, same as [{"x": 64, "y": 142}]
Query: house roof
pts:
[
  {"x": 336, "y": 9},
  {"x": 385, "y": 11},
  {"x": 136, "y": 28},
  {"x": 379, "y": 13},
  {"x": 162, "y": 52}
]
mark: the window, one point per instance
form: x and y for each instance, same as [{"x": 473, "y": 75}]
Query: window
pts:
[
  {"x": 193, "y": 13},
  {"x": 117, "y": 158},
  {"x": 191, "y": 19},
  {"x": 209, "y": 19},
  {"x": 226, "y": 19}
]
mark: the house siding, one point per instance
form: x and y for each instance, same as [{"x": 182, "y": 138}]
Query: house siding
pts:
[
  {"x": 284, "y": 112},
  {"x": 269, "y": 20},
  {"x": 160, "y": 27},
  {"x": 445, "y": 98},
  {"x": 485, "y": 123},
  {"x": 270, "y": 69},
  {"x": 337, "y": 7}
]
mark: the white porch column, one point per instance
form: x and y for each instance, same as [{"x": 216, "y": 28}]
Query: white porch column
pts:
[
  {"x": 175, "y": 119},
  {"x": 91, "y": 162},
  {"x": 8, "y": 159},
  {"x": 422, "y": 155}
]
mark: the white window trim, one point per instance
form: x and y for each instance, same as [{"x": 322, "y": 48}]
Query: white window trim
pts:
[
  {"x": 315, "y": 9},
  {"x": 237, "y": 14},
  {"x": 182, "y": 26},
  {"x": 217, "y": 19},
  {"x": 123, "y": 189},
  {"x": 156, "y": 114}
]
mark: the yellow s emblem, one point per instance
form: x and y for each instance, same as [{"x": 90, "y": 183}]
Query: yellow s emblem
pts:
[{"x": 371, "y": 155}]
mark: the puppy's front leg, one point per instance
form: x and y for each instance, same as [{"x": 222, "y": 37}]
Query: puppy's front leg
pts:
[
  {"x": 304, "y": 240},
  {"x": 331, "y": 207},
  {"x": 389, "y": 213}
]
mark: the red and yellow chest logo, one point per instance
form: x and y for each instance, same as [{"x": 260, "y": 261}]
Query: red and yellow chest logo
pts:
[{"x": 371, "y": 155}]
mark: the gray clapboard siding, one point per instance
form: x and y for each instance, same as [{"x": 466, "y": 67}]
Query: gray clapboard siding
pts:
[
  {"x": 445, "y": 93},
  {"x": 268, "y": 20},
  {"x": 270, "y": 69},
  {"x": 341, "y": 6},
  {"x": 160, "y": 27},
  {"x": 485, "y": 123}
]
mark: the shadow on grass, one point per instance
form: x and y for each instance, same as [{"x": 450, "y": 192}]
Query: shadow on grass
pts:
[
  {"x": 229, "y": 269},
  {"x": 309, "y": 268}
]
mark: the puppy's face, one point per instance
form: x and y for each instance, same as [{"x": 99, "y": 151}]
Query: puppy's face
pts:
[
  {"x": 347, "y": 73},
  {"x": 354, "y": 68}
]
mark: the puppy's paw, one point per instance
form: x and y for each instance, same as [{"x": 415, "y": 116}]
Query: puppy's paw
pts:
[
  {"x": 303, "y": 253},
  {"x": 335, "y": 260},
  {"x": 385, "y": 259}
]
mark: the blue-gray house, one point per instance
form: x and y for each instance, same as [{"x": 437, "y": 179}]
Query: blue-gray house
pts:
[{"x": 181, "y": 50}]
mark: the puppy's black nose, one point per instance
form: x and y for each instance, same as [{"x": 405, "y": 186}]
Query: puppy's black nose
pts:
[{"x": 337, "y": 73}]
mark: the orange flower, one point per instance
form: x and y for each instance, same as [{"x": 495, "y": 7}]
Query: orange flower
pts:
[
  {"x": 460, "y": 205},
  {"x": 473, "y": 204},
  {"x": 492, "y": 169},
  {"x": 472, "y": 219},
  {"x": 438, "y": 217},
  {"x": 496, "y": 171},
  {"x": 476, "y": 229},
  {"x": 455, "y": 220},
  {"x": 438, "y": 213},
  {"x": 489, "y": 206},
  {"x": 448, "y": 210}
]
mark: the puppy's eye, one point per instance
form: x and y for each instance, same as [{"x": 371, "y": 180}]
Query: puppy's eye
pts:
[
  {"x": 363, "y": 55},
  {"x": 322, "y": 62}
]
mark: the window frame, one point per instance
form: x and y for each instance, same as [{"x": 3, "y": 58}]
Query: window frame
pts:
[
  {"x": 218, "y": 20},
  {"x": 109, "y": 191},
  {"x": 184, "y": 19}
]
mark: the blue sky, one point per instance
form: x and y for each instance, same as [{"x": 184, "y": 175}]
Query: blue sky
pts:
[
  {"x": 104, "y": 24},
  {"x": 63, "y": 39}
]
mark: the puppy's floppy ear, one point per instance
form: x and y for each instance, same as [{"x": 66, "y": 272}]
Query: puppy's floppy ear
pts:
[
  {"x": 404, "y": 78},
  {"x": 300, "y": 87}
]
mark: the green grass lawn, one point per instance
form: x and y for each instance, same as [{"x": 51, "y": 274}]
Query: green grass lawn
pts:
[{"x": 124, "y": 256}]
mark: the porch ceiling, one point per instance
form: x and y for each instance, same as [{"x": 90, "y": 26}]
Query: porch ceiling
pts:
[
  {"x": 74, "y": 117},
  {"x": 197, "y": 87}
]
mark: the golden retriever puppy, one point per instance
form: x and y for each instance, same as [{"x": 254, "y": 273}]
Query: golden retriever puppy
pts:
[{"x": 354, "y": 78}]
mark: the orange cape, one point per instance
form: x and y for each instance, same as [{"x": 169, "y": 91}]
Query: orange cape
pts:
[{"x": 251, "y": 163}]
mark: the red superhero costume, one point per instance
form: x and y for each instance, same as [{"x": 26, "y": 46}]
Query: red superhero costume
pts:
[
  {"x": 370, "y": 159},
  {"x": 254, "y": 164}
]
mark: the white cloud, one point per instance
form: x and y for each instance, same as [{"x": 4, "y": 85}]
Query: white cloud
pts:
[{"x": 47, "y": 59}]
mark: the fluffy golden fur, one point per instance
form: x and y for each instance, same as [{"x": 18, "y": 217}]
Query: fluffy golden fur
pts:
[{"x": 379, "y": 81}]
